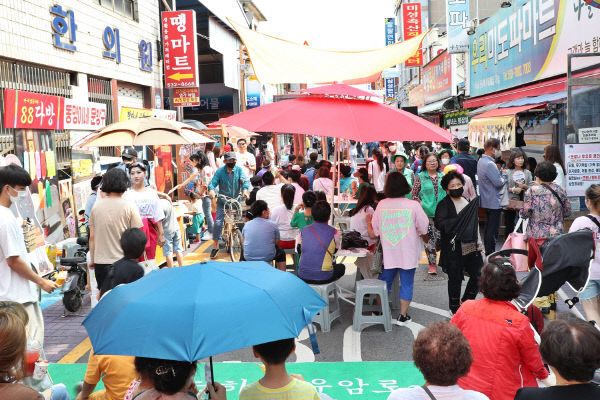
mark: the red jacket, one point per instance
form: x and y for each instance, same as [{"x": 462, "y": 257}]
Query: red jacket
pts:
[{"x": 505, "y": 354}]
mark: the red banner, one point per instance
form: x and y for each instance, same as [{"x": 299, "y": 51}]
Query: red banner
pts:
[
  {"x": 32, "y": 110},
  {"x": 186, "y": 97},
  {"x": 437, "y": 79},
  {"x": 180, "y": 48},
  {"x": 411, "y": 22}
]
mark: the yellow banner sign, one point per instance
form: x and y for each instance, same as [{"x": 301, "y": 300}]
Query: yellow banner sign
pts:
[{"x": 128, "y": 113}]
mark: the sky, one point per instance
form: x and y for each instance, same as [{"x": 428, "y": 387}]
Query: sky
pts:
[{"x": 347, "y": 25}]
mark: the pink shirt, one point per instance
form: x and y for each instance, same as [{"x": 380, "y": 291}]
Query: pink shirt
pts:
[
  {"x": 399, "y": 222},
  {"x": 469, "y": 189}
]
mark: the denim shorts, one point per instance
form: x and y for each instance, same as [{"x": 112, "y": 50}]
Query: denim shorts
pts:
[
  {"x": 172, "y": 243},
  {"x": 592, "y": 289}
]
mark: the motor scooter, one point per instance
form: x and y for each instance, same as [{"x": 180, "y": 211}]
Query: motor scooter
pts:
[{"x": 76, "y": 280}]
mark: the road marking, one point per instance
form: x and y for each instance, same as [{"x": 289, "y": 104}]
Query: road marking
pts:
[
  {"x": 574, "y": 310},
  {"x": 78, "y": 351},
  {"x": 351, "y": 349},
  {"x": 431, "y": 309}
]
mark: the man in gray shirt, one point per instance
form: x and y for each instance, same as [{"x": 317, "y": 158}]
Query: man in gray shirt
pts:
[{"x": 491, "y": 183}]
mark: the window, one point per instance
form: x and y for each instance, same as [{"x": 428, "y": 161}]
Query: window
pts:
[{"x": 123, "y": 7}]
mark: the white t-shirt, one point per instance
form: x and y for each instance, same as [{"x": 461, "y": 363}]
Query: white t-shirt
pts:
[
  {"x": 324, "y": 185},
  {"x": 271, "y": 194},
  {"x": 242, "y": 159},
  {"x": 13, "y": 286},
  {"x": 560, "y": 177},
  {"x": 270, "y": 152},
  {"x": 147, "y": 202},
  {"x": 378, "y": 175},
  {"x": 358, "y": 222},
  {"x": 282, "y": 217},
  {"x": 453, "y": 392}
]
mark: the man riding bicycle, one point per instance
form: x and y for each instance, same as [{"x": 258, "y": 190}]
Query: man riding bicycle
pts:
[{"x": 231, "y": 181}]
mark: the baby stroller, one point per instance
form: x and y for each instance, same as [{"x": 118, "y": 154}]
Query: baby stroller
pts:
[{"x": 560, "y": 259}]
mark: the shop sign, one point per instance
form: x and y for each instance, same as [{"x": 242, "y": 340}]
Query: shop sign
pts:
[
  {"x": 29, "y": 110},
  {"x": 530, "y": 41},
  {"x": 169, "y": 115},
  {"x": 252, "y": 93},
  {"x": 128, "y": 113},
  {"x": 112, "y": 44},
  {"x": 583, "y": 167},
  {"x": 63, "y": 22},
  {"x": 415, "y": 96},
  {"x": 186, "y": 97},
  {"x": 437, "y": 79},
  {"x": 411, "y": 22},
  {"x": 180, "y": 48},
  {"x": 145, "y": 48},
  {"x": 501, "y": 128},
  {"x": 457, "y": 118},
  {"x": 390, "y": 38},
  {"x": 457, "y": 21},
  {"x": 589, "y": 135},
  {"x": 84, "y": 116}
]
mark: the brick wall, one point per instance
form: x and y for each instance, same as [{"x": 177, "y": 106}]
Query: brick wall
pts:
[{"x": 26, "y": 35}]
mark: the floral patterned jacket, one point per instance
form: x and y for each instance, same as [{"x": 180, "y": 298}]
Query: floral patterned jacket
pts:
[{"x": 544, "y": 210}]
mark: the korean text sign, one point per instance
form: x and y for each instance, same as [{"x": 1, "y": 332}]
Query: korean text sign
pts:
[
  {"x": 437, "y": 78},
  {"x": 84, "y": 116},
  {"x": 390, "y": 38},
  {"x": 180, "y": 48},
  {"x": 32, "y": 110},
  {"x": 186, "y": 97},
  {"x": 411, "y": 22},
  {"x": 583, "y": 167},
  {"x": 530, "y": 41},
  {"x": 457, "y": 22}
]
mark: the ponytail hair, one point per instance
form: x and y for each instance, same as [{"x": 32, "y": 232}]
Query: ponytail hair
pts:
[{"x": 287, "y": 194}]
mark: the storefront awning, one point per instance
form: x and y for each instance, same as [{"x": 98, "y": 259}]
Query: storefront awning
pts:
[
  {"x": 435, "y": 107},
  {"x": 507, "y": 111}
]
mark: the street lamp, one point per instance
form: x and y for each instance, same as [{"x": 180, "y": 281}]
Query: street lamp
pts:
[{"x": 506, "y": 4}]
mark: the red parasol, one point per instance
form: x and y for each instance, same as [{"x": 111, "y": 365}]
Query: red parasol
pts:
[
  {"x": 340, "y": 90},
  {"x": 361, "y": 120}
]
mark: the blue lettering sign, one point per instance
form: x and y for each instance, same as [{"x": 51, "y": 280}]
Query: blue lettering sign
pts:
[
  {"x": 60, "y": 26},
  {"x": 145, "y": 56},
  {"x": 112, "y": 44}
]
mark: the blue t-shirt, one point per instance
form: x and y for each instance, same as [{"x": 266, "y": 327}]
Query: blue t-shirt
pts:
[{"x": 259, "y": 239}]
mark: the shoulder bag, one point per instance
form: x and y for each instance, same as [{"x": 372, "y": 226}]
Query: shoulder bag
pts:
[
  {"x": 426, "y": 389},
  {"x": 377, "y": 263},
  {"x": 555, "y": 194}
]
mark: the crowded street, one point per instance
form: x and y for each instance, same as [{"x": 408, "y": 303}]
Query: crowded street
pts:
[{"x": 316, "y": 200}]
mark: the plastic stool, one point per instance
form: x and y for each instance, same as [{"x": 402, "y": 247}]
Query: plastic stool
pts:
[
  {"x": 394, "y": 293},
  {"x": 332, "y": 310},
  {"x": 371, "y": 287}
]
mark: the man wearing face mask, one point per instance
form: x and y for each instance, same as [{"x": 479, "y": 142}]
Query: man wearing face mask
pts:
[
  {"x": 231, "y": 181},
  {"x": 392, "y": 150},
  {"x": 490, "y": 184},
  {"x": 15, "y": 271}
]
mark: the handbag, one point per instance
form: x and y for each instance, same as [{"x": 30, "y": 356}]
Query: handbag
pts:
[
  {"x": 353, "y": 240},
  {"x": 514, "y": 204},
  {"x": 377, "y": 262},
  {"x": 504, "y": 198},
  {"x": 516, "y": 240}
]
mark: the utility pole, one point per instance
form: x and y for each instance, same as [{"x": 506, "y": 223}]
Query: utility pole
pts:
[{"x": 242, "y": 78}]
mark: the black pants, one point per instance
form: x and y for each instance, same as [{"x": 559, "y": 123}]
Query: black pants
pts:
[
  {"x": 471, "y": 264},
  {"x": 338, "y": 271},
  {"x": 509, "y": 221},
  {"x": 101, "y": 272},
  {"x": 491, "y": 230}
]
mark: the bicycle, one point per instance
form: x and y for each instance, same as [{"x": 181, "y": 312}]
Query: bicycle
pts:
[{"x": 232, "y": 236}]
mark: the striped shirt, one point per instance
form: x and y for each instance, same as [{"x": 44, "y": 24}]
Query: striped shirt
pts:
[{"x": 296, "y": 390}]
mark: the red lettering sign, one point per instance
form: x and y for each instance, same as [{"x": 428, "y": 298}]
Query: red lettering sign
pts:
[
  {"x": 84, "y": 116},
  {"x": 186, "y": 97},
  {"x": 411, "y": 22},
  {"x": 32, "y": 110},
  {"x": 180, "y": 48},
  {"x": 437, "y": 78}
]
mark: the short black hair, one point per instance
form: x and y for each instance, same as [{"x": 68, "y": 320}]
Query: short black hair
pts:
[
  {"x": 133, "y": 243},
  {"x": 240, "y": 140},
  {"x": 13, "y": 175},
  {"x": 275, "y": 352},
  {"x": 498, "y": 280},
  {"x": 258, "y": 207},
  {"x": 572, "y": 346},
  {"x": 321, "y": 195},
  {"x": 167, "y": 376},
  {"x": 295, "y": 175},
  {"x": 115, "y": 180},
  {"x": 309, "y": 198},
  {"x": 445, "y": 151},
  {"x": 396, "y": 185},
  {"x": 321, "y": 211},
  {"x": 492, "y": 143},
  {"x": 95, "y": 182},
  {"x": 268, "y": 178},
  {"x": 313, "y": 156},
  {"x": 345, "y": 170},
  {"x": 463, "y": 144},
  {"x": 546, "y": 171},
  {"x": 450, "y": 176},
  {"x": 256, "y": 180},
  {"x": 291, "y": 158}
]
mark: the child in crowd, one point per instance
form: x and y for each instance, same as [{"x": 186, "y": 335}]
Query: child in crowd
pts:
[
  {"x": 127, "y": 269},
  {"x": 172, "y": 235},
  {"x": 277, "y": 383},
  {"x": 198, "y": 218}
]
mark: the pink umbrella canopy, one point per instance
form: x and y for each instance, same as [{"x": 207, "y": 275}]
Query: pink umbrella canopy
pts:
[
  {"x": 340, "y": 90},
  {"x": 360, "y": 120}
]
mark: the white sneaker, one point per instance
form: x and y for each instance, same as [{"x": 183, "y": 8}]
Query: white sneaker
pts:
[{"x": 207, "y": 236}]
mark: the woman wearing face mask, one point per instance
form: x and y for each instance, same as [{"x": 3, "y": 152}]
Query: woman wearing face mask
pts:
[
  {"x": 519, "y": 180},
  {"x": 445, "y": 156},
  {"x": 427, "y": 190},
  {"x": 150, "y": 210},
  {"x": 399, "y": 162},
  {"x": 458, "y": 256}
]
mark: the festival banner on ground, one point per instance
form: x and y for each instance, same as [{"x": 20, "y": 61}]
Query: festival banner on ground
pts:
[
  {"x": 530, "y": 41},
  {"x": 501, "y": 128},
  {"x": 583, "y": 167}
]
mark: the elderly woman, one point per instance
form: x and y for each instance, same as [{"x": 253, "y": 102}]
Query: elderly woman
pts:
[
  {"x": 458, "y": 256},
  {"x": 519, "y": 180},
  {"x": 572, "y": 350},
  {"x": 505, "y": 354},
  {"x": 443, "y": 355}
]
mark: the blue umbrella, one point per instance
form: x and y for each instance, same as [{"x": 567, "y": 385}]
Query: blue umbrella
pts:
[{"x": 197, "y": 311}]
